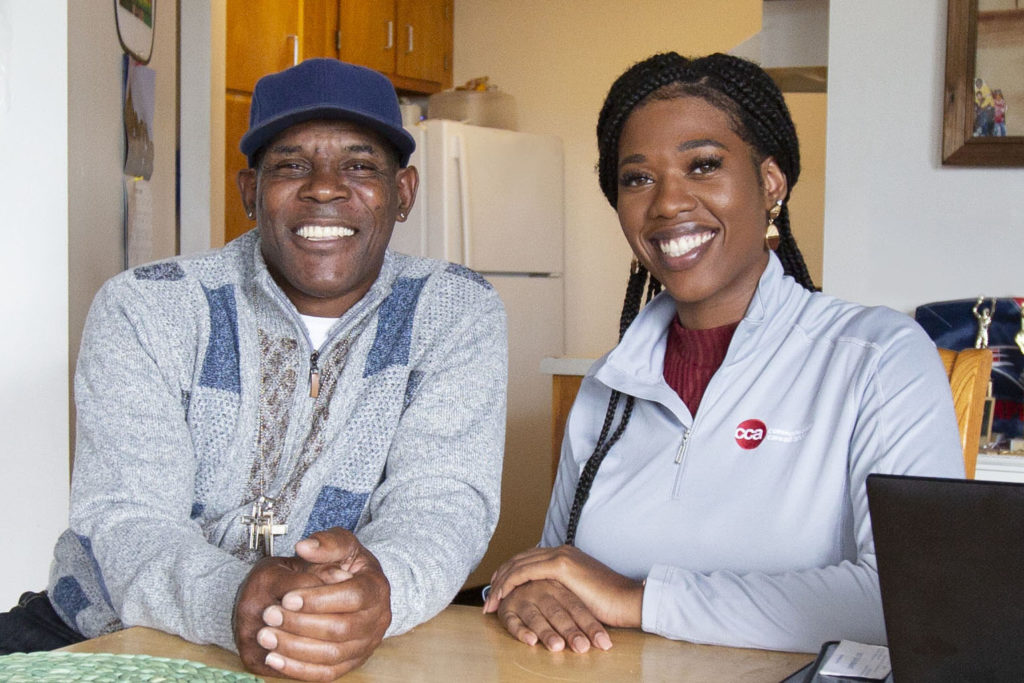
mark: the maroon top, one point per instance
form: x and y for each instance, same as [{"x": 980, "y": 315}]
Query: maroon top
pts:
[{"x": 692, "y": 357}]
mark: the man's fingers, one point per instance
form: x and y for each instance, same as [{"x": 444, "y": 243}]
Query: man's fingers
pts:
[
  {"x": 318, "y": 620},
  {"x": 310, "y": 659},
  {"x": 333, "y": 627},
  {"x": 330, "y": 573},
  {"x": 334, "y": 545},
  {"x": 269, "y": 580},
  {"x": 315, "y": 650},
  {"x": 346, "y": 596},
  {"x": 304, "y": 671}
]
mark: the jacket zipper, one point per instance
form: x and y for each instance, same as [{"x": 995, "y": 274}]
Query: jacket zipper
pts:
[
  {"x": 680, "y": 456},
  {"x": 314, "y": 375},
  {"x": 682, "y": 447},
  {"x": 314, "y": 369}
]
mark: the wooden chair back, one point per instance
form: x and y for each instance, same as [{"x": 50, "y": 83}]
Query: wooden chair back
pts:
[{"x": 969, "y": 372}]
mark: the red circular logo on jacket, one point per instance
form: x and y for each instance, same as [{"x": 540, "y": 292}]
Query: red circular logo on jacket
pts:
[{"x": 750, "y": 433}]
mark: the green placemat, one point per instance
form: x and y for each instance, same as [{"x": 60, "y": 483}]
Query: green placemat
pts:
[{"x": 67, "y": 667}]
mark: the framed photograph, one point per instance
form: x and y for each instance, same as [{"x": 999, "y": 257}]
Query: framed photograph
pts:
[
  {"x": 983, "y": 111},
  {"x": 135, "y": 27}
]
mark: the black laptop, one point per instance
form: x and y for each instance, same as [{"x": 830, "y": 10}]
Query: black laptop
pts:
[{"x": 951, "y": 568}]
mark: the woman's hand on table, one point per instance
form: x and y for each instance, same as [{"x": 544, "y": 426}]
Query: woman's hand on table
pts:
[
  {"x": 545, "y": 611},
  {"x": 574, "y": 589},
  {"x": 327, "y": 623}
]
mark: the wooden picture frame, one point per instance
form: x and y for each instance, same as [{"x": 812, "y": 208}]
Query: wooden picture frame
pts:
[{"x": 960, "y": 146}]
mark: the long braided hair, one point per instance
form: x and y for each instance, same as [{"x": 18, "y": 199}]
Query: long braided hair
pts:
[{"x": 759, "y": 116}]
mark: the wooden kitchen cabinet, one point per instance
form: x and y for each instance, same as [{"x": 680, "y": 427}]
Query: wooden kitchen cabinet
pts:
[
  {"x": 366, "y": 33},
  {"x": 236, "y": 122},
  {"x": 425, "y": 41},
  {"x": 262, "y": 37},
  {"x": 408, "y": 40},
  {"x": 320, "y": 28},
  {"x": 265, "y": 37}
]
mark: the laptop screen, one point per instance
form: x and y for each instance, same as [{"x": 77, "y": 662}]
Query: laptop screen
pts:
[{"x": 951, "y": 569}]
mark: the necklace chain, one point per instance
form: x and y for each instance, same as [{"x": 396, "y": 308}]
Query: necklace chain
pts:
[{"x": 260, "y": 522}]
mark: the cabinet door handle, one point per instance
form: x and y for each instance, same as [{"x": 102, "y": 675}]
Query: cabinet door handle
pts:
[
  {"x": 295, "y": 47},
  {"x": 391, "y": 36},
  {"x": 409, "y": 43}
]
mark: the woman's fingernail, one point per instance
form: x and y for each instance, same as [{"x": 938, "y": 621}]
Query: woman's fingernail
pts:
[
  {"x": 274, "y": 661},
  {"x": 292, "y": 602},
  {"x": 266, "y": 639},
  {"x": 603, "y": 641},
  {"x": 273, "y": 616}
]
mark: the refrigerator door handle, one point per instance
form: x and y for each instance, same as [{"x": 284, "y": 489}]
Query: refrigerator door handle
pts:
[{"x": 464, "y": 226}]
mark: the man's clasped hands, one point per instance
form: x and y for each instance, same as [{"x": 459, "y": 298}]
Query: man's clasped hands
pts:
[{"x": 314, "y": 616}]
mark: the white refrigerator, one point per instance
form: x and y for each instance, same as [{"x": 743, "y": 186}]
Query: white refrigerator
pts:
[{"x": 493, "y": 200}]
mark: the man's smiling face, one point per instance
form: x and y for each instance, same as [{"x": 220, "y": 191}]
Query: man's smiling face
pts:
[{"x": 326, "y": 195}]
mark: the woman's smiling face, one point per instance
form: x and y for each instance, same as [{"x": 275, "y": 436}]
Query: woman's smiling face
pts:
[{"x": 693, "y": 205}]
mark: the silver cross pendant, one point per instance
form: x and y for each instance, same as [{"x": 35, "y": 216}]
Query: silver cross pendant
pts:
[{"x": 261, "y": 525}]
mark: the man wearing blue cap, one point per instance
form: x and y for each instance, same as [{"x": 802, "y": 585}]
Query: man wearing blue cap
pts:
[{"x": 302, "y": 389}]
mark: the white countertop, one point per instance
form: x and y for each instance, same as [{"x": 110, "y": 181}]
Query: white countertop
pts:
[
  {"x": 564, "y": 365},
  {"x": 1000, "y": 467}
]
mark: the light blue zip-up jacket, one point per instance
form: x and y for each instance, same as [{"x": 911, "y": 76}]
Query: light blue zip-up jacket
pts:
[
  {"x": 750, "y": 521},
  {"x": 193, "y": 394}
]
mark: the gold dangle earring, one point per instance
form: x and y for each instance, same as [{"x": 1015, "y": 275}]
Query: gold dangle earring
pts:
[
  {"x": 634, "y": 266},
  {"x": 771, "y": 233}
]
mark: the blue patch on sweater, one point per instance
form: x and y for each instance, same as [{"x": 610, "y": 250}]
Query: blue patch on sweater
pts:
[
  {"x": 394, "y": 326},
  {"x": 472, "y": 275},
  {"x": 69, "y": 596},
  {"x": 159, "y": 271},
  {"x": 415, "y": 377},
  {"x": 335, "y": 507},
  {"x": 197, "y": 511},
  {"x": 87, "y": 547},
  {"x": 220, "y": 366}
]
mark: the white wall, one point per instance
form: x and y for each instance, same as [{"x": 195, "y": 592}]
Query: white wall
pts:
[
  {"x": 34, "y": 279},
  {"x": 203, "y": 32},
  {"x": 62, "y": 139},
  {"x": 95, "y": 149},
  {"x": 901, "y": 229},
  {"x": 558, "y": 60}
]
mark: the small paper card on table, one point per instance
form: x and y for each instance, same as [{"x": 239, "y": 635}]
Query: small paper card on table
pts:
[{"x": 857, "y": 660}]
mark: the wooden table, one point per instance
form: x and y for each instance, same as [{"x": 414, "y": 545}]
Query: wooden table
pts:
[{"x": 461, "y": 644}]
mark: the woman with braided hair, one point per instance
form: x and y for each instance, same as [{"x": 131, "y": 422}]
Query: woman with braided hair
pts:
[{"x": 711, "y": 485}]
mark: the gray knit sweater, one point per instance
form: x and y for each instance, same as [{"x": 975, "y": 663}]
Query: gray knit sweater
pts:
[{"x": 193, "y": 394}]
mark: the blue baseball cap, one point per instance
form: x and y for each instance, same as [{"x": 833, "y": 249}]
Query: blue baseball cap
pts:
[{"x": 325, "y": 89}]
